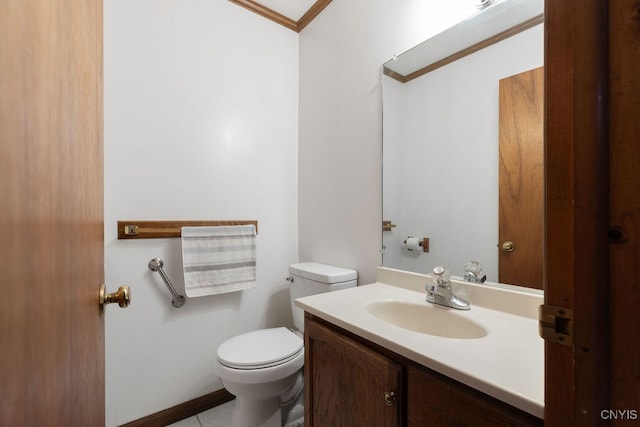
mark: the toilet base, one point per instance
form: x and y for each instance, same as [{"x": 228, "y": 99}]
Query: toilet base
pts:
[
  {"x": 293, "y": 408},
  {"x": 294, "y": 417},
  {"x": 271, "y": 412},
  {"x": 256, "y": 413}
]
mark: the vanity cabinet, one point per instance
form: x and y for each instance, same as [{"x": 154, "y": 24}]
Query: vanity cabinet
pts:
[
  {"x": 436, "y": 400},
  {"x": 350, "y": 381},
  {"x": 347, "y": 383}
]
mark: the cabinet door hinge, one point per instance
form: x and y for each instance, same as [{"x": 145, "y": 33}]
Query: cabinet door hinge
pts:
[{"x": 555, "y": 324}]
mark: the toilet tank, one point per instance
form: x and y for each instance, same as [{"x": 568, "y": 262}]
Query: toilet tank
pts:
[{"x": 310, "y": 278}]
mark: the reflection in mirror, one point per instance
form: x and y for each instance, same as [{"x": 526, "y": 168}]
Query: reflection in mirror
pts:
[{"x": 441, "y": 159}]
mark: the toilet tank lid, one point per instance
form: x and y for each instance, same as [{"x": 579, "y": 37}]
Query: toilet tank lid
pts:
[{"x": 322, "y": 272}]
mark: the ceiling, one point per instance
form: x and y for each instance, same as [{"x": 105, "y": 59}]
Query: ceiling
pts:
[{"x": 293, "y": 14}]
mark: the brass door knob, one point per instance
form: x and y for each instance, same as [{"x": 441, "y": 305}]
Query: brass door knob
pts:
[
  {"x": 389, "y": 398},
  {"x": 508, "y": 246},
  {"x": 122, "y": 296}
]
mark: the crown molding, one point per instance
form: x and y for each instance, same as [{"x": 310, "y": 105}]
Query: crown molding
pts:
[{"x": 281, "y": 19}]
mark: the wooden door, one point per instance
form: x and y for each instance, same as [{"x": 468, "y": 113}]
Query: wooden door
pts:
[
  {"x": 578, "y": 380},
  {"x": 624, "y": 207},
  {"x": 346, "y": 382},
  {"x": 521, "y": 209},
  {"x": 51, "y": 213}
]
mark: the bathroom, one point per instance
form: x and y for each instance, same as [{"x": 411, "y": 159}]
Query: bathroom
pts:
[{"x": 213, "y": 112}]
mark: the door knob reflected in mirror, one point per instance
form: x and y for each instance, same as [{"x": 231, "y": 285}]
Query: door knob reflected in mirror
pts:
[
  {"x": 508, "y": 246},
  {"x": 122, "y": 296}
]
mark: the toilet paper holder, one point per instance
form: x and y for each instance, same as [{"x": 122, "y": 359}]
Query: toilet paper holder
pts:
[{"x": 417, "y": 243}]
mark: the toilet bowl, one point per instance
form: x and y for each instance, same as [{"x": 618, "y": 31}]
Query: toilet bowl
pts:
[
  {"x": 259, "y": 367},
  {"x": 263, "y": 368}
]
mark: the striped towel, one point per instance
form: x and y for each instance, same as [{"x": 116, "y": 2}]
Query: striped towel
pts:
[{"x": 218, "y": 259}]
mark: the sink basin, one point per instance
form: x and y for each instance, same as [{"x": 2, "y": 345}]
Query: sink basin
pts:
[{"x": 427, "y": 319}]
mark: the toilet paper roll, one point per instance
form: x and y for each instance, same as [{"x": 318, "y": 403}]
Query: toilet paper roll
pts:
[{"x": 412, "y": 244}]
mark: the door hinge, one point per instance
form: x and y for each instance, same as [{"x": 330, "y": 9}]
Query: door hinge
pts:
[{"x": 555, "y": 324}]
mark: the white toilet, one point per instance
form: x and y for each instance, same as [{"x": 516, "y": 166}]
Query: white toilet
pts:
[{"x": 263, "y": 368}]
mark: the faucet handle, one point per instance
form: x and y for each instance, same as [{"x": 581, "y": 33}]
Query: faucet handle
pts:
[
  {"x": 473, "y": 272},
  {"x": 441, "y": 275}
]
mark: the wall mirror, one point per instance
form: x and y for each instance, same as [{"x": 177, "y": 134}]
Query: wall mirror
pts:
[{"x": 449, "y": 105}]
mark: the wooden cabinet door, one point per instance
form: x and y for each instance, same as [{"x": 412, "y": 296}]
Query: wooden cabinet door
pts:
[
  {"x": 346, "y": 382},
  {"x": 521, "y": 187},
  {"x": 51, "y": 214},
  {"x": 437, "y": 401}
]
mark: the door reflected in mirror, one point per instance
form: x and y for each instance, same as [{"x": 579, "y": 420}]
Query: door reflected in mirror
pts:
[
  {"x": 521, "y": 178},
  {"x": 441, "y": 162}
]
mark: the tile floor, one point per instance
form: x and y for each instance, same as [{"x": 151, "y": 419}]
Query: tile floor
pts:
[{"x": 220, "y": 416}]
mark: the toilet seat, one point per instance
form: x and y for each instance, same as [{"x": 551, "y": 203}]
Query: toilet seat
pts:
[{"x": 260, "y": 349}]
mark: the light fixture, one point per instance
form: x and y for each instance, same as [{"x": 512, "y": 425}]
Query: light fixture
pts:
[{"x": 481, "y": 4}]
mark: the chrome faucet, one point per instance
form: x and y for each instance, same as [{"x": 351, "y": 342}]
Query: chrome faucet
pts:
[
  {"x": 473, "y": 272},
  {"x": 440, "y": 291}
]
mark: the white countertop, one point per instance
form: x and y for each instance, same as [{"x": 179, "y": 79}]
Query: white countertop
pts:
[{"x": 507, "y": 363}]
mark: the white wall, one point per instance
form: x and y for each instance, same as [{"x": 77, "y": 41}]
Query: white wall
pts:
[
  {"x": 443, "y": 180},
  {"x": 201, "y": 102},
  {"x": 340, "y": 127}
]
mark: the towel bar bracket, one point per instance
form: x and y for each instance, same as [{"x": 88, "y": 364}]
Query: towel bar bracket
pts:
[
  {"x": 156, "y": 264},
  {"x": 131, "y": 230}
]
